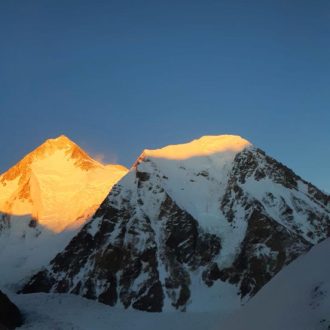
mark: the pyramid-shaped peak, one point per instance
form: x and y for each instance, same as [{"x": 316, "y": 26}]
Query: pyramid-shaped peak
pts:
[
  {"x": 69, "y": 148},
  {"x": 66, "y": 148},
  {"x": 62, "y": 138},
  {"x": 60, "y": 141}
]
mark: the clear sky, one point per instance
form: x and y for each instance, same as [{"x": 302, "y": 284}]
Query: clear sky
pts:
[{"x": 121, "y": 76}]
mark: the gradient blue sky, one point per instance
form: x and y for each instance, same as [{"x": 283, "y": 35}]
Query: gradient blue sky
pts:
[{"x": 121, "y": 76}]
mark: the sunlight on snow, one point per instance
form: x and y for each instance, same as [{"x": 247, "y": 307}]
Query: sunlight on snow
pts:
[{"x": 58, "y": 184}]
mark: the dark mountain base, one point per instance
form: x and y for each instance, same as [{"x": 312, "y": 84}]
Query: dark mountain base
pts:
[{"x": 10, "y": 316}]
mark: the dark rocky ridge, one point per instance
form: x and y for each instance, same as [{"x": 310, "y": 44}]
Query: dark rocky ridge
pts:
[
  {"x": 142, "y": 249},
  {"x": 10, "y": 316}
]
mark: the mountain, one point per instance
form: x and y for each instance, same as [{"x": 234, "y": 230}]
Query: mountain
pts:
[
  {"x": 298, "y": 298},
  {"x": 44, "y": 200},
  {"x": 200, "y": 226}
]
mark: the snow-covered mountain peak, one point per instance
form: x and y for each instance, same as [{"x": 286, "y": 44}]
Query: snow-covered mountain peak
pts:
[
  {"x": 62, "y": 139},
  {"x": 58, "y": 184},
  {"x": 195, "y": 174},
  {"x": 62, "y": 142},
  {"x": 68, "y": 148},
  {"x": 44, "y": 199},
  {"x": 198, "y": 226},
  {"x": 204, "y": 146},
  {"x": 62, "y": 146}
]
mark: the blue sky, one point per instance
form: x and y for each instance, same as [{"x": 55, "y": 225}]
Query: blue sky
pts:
[{"x": 121, "y": 76}]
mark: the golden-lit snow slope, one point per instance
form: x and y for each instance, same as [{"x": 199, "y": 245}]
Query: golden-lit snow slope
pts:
[
  {"x": 204, "y": 146},
  {"x": 58, "y": 184}
]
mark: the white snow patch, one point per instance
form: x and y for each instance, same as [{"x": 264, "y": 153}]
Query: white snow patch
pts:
[{"x": 70, "y": 312}]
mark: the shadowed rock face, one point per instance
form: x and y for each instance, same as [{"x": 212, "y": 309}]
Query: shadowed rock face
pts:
[
  {"x": 144, "y": 250},
  {"x": 124, "y": 257},
  {"x": 10, "y": 316},
  {"x": 265, "y": 250},
  {"x": 270, "y": 243}
]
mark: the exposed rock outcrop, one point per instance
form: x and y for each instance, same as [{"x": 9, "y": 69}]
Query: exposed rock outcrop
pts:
[{"x": 10, "y": 316}]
